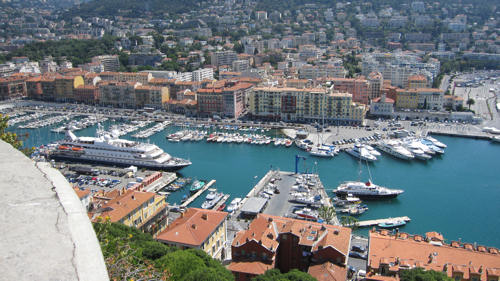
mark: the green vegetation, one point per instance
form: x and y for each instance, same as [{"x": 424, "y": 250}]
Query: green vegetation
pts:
[
  {"x": 349, "y": 221},
  {"x": 76, "y": 51},
  {"x": 470, "y": 102},
  {"x": 130, "y": 8},
  {"x": 276, "y": 275},
  {"x": 351, "y": 64},
  {"x": 327, "y": 213},
  {"x": 131, "y": 254},
  {"x": 418, "y": 274},
  {"x": 12, "y": 138}
]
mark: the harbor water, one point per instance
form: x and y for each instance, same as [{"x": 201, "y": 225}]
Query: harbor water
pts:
[{"x": 457, "y": 194}]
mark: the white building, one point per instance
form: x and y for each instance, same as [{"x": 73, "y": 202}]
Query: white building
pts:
[
  {"x": 382, "y": 106},
  {"x": 202, "y": 74}
]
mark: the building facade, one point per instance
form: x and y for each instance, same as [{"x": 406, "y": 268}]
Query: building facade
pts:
[
  {"x": 200, "y": 229},
  {"x": 305, "y": 105},
  {"x": 391, "y": 253},
  {"x": 286, "y": 244}
]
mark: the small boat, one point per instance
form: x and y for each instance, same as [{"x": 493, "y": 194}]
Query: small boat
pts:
[
  {"x": 307, "y": 213},
  {"x": 197, "y": 185},
  {"x": 392, "y": 224},
  {"x": 221, "y": 207},
  {"x": 184, "y": 198},
  {"x": 234, "y": 204}
]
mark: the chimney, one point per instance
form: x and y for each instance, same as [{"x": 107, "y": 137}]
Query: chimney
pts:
[
  {"x": 193, "y": 226},
  {"x": 133, "y": 197},
  {"x": 204, "y": 216}
]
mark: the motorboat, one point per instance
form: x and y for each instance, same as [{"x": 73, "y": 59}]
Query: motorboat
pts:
[
  {"x": 197, "y": 185},
  {"x": 307, "y": 213},
  {"x": 395, "y": 149},
  {"x": 392, "y": 224},
  {"x": 366, "y": 190},
  {"x": 436, "y": 142},
  {"x": 361, "y": 153},
  {"x": 234, "y": 205}
]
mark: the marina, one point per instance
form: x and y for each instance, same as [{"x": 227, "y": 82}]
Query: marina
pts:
[
  {"x": 438, "y": 183},
  {"x": 198, "y": 193}
]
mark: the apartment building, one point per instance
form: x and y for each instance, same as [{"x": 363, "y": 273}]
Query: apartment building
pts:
[
  {"x": 199, "y": 229},
  {"x": 223, "y": 58},
  {"x": 392, "y": 252},
  {"x": 141, "y": 77},
  {"x": 305, "y": 105},
  {"x": 143, "y": 210},
  {"x": 109, "y": 62},
  {"x": 151, "y": 96},
  {"x": 64, "y": 86},
  {"x": 12, "y": 87},
  {"x": 286, "y": 244},
  {"x": 117, "y": 94},
  {"x": 226, "y": 98},
  {"x": 421, "y": 98}
]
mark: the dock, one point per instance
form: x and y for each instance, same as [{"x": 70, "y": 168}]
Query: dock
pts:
[
  {"x": 376, "y": 222},
  {"x": 194, "y": 196},
  {"x": 221, "y": 202}
]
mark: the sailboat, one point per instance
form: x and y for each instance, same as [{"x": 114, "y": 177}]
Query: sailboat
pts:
[{"x": 322, "y": 150}]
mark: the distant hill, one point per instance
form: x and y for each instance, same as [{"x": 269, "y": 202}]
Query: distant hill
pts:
[{"x": 131, "y": 8}]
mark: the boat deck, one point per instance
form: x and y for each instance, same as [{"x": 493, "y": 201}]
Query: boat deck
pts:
[
  {"x": 222, "y": 201},
  {"x": 376, "y": 222},
  {"x": 198, "y": 193}
]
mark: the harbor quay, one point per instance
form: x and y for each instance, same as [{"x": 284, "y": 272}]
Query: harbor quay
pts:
[{"x": 280, "y": 193}]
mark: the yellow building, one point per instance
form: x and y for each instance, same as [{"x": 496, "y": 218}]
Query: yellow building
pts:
[
  {"x": 143, "y": 210},
  {"x": 65, "y": 85},
  {"x": 406, "y": 99},
  {"x": 200, "y": 229},
  {"x": 151, "y": 96},
  {"x": 306, "y": 104}
]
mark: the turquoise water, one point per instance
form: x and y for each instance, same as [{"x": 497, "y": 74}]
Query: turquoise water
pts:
[{"x": 457, "y": 194}]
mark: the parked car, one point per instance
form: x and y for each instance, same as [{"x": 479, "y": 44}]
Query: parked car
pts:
[
  {"x": 358, "y": 255},
  {"x": 358, "y": 248}
]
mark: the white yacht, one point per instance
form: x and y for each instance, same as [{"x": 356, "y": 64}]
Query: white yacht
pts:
[
  {"x": 372, "y": 150},
  {"x": 395, "y": 149},
  {"x": 366, "y": 190},
  {"x": 235, "y": 204},
  {"x": 436, "y": 142},
  {"x": 108, "y": 149},
  {"x": 362, "y": 153}
]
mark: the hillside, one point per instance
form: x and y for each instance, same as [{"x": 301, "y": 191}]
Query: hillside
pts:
[{"x": 131, "y": 8}]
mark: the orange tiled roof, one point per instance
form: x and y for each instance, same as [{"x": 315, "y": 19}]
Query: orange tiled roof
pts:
[
  {"x": 193, "y": 227},
  {"x": 266, "y": 228},
  {"x": 328, "y": 271},
  {"x": 251, "y": 267},
  {"x": 82, "y": 193},
  {"x": 124, "y": 204},
  {"x": 415, "y": 251}
]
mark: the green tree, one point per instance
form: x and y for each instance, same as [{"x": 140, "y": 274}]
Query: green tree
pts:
[
  {"x": 418, "y": 274},
  {"x": 10, "y": 137},
  {"x": 276, "y": 275},
  {"x": 470, "y": 102},
  {"x": 349, "y": 221},
  {"x": 327, "y": 213}
]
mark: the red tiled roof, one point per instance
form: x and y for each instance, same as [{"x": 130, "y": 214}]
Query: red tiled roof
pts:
[
  {"x": 124, "y": 204},
  {"x": 464, "y": 258},
  {"x": 252, "y": 267},
  {"x": 193, "y": 227},
  {"x": 328, "y": 271}
]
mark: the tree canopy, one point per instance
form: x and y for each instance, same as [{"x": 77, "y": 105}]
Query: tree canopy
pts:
[
  {"x": 10, "y": 137},
  {"x": 418, "y": 274},
  {"x": 131, "y": 254},
  {"x": 276, "y": 275}
]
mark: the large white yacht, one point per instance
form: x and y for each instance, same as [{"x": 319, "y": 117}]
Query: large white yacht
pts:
[
  {"x": 361, "y": 152},
  {"x": 395, "y": 149},
  {"x": 366, "y": 190},
  {"x": 109, "y": 149}
]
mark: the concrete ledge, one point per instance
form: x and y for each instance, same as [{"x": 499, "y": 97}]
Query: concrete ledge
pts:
[{"x": 46, "y": 234}]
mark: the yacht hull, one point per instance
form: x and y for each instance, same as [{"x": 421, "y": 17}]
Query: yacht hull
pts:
[{"x": 367, "y": 196}]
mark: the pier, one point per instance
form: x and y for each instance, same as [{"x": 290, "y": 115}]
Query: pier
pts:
[
  {"x": 376, "y": 222},
  {"x": 221, "y": 202},
  {"x": 194, "y": 196}
]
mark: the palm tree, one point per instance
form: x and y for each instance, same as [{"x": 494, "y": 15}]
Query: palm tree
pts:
[
  {"x": 470, "y": 102},
  {"x": 327, "y": 213},
  {"x": 349, "y": 221}
]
